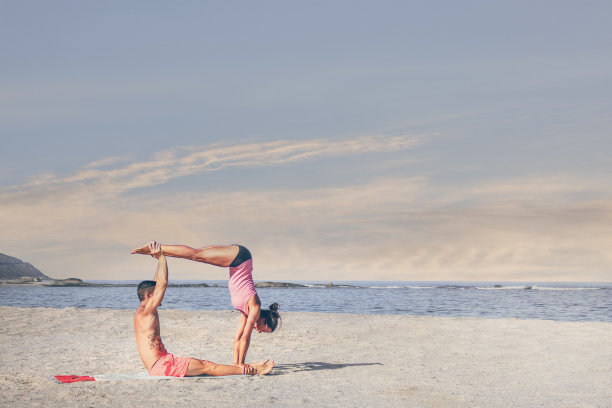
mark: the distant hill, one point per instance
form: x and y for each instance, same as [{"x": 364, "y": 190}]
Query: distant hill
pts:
[{"x": 12, "y": 268}]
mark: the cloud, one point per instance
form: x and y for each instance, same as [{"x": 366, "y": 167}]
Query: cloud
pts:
[
  {"x": 108, "y": 161},
  {"x": 93, "y": 182},
  {"x": 554, "y": 227},
  {"x": 392, "y": 228},
  {"x": 407, "y": 229},
  {"x": 89, "y": 210}
]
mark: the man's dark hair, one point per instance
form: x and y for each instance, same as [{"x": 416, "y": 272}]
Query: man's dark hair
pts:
[{"x": 144, "y": 287}]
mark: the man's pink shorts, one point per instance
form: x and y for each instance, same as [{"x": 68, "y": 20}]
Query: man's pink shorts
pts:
[{"x": 170, "y": 366}]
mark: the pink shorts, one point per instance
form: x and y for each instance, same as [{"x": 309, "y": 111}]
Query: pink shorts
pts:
[{"x": 170, "y": 366}]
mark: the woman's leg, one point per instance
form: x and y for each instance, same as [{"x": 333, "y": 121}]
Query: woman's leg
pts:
[{"x": 218, "y": 255}]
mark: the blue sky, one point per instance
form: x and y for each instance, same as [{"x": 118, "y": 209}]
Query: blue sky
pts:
[{"x": 338, "y": 140}]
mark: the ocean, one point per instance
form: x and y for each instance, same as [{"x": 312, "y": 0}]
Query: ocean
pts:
[{"x": 525, "y": 300}]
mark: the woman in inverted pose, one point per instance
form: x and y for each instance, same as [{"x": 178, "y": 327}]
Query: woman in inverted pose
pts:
[{"x": 240, "y": 284}]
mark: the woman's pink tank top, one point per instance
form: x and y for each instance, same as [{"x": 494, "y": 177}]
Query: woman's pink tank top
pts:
[{"x": 240, "y": 285}]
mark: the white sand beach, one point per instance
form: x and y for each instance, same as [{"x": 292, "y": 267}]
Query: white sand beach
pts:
[{"x": 322, "y": 360}]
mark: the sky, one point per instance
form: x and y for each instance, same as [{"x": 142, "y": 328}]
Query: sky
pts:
[{"x": 337, "y": 140}]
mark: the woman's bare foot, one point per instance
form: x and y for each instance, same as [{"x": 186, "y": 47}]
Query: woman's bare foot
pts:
[
  {"x": 264, "y": 367},
  {"x": 145, "y": 249}
]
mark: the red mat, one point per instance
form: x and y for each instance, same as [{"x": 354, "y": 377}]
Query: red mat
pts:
[{"x": 73, "y": 378}]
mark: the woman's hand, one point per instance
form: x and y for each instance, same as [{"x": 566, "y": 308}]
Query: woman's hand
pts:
[{"x": 247, "y": 369}]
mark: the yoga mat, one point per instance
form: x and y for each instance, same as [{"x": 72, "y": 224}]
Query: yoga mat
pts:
[{"x": 124, "y": 377}]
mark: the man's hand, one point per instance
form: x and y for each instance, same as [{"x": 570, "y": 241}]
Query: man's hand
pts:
[{"x": 155, "y": 249}]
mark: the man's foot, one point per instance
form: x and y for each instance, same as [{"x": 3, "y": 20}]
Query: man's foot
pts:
[
  {"x": 145, "y": 249},
  {"x": 264, "y": 367}
]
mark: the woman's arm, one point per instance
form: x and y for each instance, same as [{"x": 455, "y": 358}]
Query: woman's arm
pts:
[
  {"x": 238, "y": 338},
  {"x": 242, "y": 340}
]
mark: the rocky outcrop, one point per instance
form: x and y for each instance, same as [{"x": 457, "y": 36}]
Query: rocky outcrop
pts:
[
  {"x": 14, "y": 269},
  {"x": 66, "y": 282},
  {"x": 24, "y": 280},
  {"x": 80, "y": 282},
  {"x": 278, "y": 285}
]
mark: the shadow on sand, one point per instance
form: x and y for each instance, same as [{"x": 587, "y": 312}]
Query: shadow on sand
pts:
[{"x": 280, "y": 369}]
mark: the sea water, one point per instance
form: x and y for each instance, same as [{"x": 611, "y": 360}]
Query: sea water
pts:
[{"x": 525, "y": 300}]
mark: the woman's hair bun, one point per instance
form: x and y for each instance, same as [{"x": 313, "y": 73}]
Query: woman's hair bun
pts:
[{"x": 274, "y": 307}]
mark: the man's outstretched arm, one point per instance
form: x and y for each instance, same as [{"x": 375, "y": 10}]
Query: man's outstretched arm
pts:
[{"x": 161, "y": 276}]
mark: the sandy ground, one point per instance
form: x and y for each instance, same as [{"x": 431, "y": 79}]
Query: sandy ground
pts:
[{"x": 322, "y": 360}]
